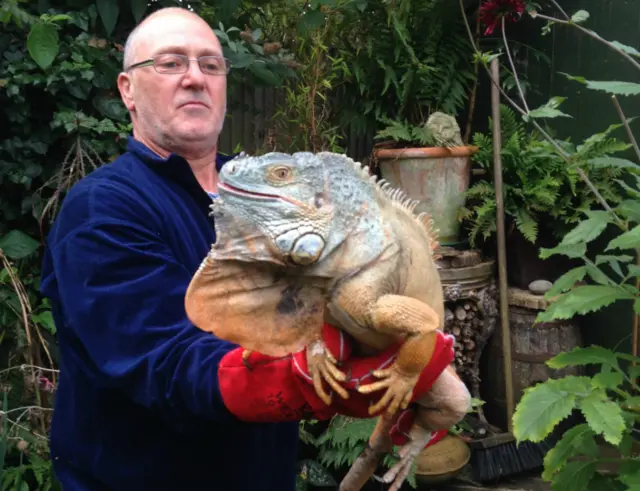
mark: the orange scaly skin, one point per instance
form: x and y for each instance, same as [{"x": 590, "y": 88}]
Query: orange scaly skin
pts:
[{"x": 308, "y": 238}]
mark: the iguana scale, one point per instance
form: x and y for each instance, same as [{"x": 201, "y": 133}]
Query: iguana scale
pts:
[{"x": 308, "y": 238}]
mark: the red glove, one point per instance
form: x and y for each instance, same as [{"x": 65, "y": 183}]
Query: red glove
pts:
[{"x": 281, "y": 389}]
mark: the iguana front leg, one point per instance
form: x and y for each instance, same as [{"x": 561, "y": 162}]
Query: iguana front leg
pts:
[
  {"x": 418, "y": 322},
  {"x": 323, "y": 366}
]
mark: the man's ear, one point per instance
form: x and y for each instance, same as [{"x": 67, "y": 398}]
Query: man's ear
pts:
[{"x": 125, "y": 86}]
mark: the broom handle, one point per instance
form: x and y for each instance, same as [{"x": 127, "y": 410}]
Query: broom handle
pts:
[{"x": 502, "y": 254}]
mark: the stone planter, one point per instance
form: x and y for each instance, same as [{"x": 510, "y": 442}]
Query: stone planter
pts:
[{"x": 437, "y": 176}]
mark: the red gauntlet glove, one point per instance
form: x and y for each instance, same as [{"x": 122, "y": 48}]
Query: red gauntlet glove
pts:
[{"x": 281, "y": 389}]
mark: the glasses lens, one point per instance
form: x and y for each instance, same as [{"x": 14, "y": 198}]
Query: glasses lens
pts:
[
  {"x": 213, "y": 65},
  {"x": 168, "y": 63}
]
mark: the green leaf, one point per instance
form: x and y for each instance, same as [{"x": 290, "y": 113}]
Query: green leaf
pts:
[
  {"x": 547, "y": 112},
  {"x": 603, "y": 258},
  {"x": 608, "y": 380},
  {"x": 630, "y": 208},
  {"x": 582, "y": 300},
  {"x": 579, "y": 356},
  {"x": 43, "y": 44},
  {"x": 540, "y": 409},
  {"x": 18, "y": 245},
  {"x": 138, "y": 8},
  {"x": 606, "y": 162},
  {"x": 598, "y": 276},
  {"x": 589, "y": 229},
  {"x": 603, "y": 416},
  {"x": 614, "y": 262},
  {"x": 46, "y": 319},
  {"x": 264, "y": 74},
  {"x": 627, "y": 240},
  {"x": 618, "y": 88},
  {"x": 573, "y": 251},
  {"x": 580, "y": 16},
  {"x": 567, "y": 281},
  {"x": 631, "y": 479},
  {"x": 575, "y": 476},
  {"x": 108, "y": 10},
  {"x": 627, "y": 49},
  {"x": 612, "y": 87},
  {"x": 577, "y": 440}
]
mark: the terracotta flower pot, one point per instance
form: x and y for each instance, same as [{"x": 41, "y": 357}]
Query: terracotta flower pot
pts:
[{"x": 437, "y": 176}]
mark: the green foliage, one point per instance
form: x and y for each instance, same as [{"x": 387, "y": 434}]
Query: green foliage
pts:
[
  {"x": 408, "y": 60},
  {"x": 608, "y": 401},
  {"x": 345, "y": 439},
  {"x": 405, "y": 132},
  {"x": 537, "y": 182}
]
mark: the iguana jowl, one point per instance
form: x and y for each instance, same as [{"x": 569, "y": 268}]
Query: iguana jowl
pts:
[{"x": 308, "y": 238}]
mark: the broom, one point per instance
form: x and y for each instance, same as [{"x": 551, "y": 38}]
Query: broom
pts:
[{"x": 499, "y": 455}]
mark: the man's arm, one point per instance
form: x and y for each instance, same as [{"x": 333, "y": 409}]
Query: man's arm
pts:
[{"x": 122, "y": 292}]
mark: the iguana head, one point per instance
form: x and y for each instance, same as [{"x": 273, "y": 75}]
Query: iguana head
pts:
[{"x": 287, "y": 197}]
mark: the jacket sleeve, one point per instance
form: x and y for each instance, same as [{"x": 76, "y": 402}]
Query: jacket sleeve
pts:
[{"x": 122, "y": 293}]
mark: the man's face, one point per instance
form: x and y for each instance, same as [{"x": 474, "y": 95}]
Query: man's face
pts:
[{"x": 181, "y": 112}]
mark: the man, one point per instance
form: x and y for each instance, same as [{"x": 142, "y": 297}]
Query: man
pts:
[{"x": 146, "y": 401}]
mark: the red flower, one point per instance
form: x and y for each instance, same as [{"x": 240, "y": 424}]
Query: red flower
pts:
[{"x": 492, "y": 11}]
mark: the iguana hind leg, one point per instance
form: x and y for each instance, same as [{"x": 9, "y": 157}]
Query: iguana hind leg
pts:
[
  {"x": 418, "y": 322},
  {"x": 443, "y": 406},
  {"x": 419, "y": 436}
]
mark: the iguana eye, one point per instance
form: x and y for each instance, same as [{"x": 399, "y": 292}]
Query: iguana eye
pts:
[{"x": 280, "y": 173}]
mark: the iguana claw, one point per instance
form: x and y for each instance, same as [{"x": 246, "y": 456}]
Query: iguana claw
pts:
[
  {"x": 399, "y": 390},
  {"x": 245, "y": 358},
  {"x": 322, "y": 365}
]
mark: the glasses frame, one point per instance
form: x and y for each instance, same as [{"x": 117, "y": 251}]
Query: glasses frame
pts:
[{"x": 151, "y": 62}]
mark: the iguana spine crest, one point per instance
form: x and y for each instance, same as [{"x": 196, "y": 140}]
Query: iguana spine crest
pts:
[{"x": 398, "y": 198}]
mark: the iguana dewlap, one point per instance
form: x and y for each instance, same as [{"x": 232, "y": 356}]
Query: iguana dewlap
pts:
[{"x": 308, "y": 238}]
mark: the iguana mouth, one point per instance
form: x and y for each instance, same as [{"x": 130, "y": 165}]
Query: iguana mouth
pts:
[{"x": 235, "y": 190}]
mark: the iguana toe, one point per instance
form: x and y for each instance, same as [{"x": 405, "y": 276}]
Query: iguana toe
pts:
[
  {"x": 399, "y": 390},
  {"x": 419, "y": 437}
]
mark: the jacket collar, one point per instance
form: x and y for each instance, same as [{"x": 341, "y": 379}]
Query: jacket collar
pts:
[
  {"x": 149, "y": 157},
  {"x": 177, "y": 169}
]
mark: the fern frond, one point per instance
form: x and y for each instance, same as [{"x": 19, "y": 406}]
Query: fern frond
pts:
[{"x": 527, "y": 225}]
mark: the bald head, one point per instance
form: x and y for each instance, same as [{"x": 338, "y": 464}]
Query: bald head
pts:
[{"x": 150, "y": 26}]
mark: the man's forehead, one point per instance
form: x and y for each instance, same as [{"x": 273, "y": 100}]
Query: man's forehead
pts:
[{"x": 178, "y": 35}]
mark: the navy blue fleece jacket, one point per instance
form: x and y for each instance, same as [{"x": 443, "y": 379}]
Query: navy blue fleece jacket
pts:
[{"x": 137, "y": 405}]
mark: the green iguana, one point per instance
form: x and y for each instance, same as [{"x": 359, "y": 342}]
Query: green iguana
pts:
[{"x": 308, "y": 238}]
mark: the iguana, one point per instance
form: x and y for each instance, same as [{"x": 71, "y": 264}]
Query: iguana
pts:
[{"x": 306, "y": 238}]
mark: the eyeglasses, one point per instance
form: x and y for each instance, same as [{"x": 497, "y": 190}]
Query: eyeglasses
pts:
[{"x": 172, "y": 63}]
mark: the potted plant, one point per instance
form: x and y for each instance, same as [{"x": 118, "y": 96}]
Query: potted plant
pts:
[
  {"x": 431, "y": 164},
  {"x": 543, "y": 197}
]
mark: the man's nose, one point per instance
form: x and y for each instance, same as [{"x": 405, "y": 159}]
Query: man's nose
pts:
[{"x": 194, "y": 75}]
